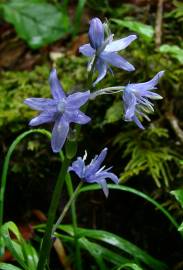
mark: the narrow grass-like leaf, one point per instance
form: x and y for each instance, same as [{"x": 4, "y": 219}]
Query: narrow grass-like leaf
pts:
[
  {"x": 7, "y": 160},
  {"x": 132, "y": 266},
  {"x": 178, "y": 193},
  {"x": 96, "y": 250},
  {"x": 118, "y": 242},
  {"x": 96, "y": 253},
  {"x": 2, "y": 246},
  {"x": 12, "y": 246},
  {"x": 23, "y": 252},
  {"x": 138, "y": 193},
  {"x": 31, "y": 256},
  {"x": 99, "y": 252},
  {"x": 180, "y": 229},
  {"x": 78, "y": 15},
  {"x": 7, "y": 266}
]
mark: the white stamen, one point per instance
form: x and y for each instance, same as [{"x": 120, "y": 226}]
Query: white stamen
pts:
[
  {"x": 85, "y": 156},
  {"x": 101, "y": 169},
  {"x": 90, "y": 64}
]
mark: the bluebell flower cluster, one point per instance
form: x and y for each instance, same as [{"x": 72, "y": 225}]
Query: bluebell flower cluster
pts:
[
  {"x": 92, "y": 173},
  {"x": 62, "y": 109}
]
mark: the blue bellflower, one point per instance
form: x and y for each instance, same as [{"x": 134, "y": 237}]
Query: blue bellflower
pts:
[
  {"x": 92, "y": 172},
  {"x": 62, "y": 110},
  {"x": 136, "y": 99},
  {"x": 105, "y": 50}
]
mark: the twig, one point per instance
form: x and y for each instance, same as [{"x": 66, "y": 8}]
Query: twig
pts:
[
  {"x": 159, "y": 20},
  {"x": 175, "y": 125}
]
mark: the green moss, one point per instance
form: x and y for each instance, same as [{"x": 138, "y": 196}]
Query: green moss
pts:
[{"x": 17, "y": 85}]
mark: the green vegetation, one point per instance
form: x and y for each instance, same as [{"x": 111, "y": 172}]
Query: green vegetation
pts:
[{"x": 17, "y": 85}]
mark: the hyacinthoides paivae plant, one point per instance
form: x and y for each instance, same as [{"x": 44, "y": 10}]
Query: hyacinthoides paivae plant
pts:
[{"x": 65, "y": 110}]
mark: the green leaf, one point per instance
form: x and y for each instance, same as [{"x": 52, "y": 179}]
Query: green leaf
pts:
[
  {"x": 13, "y": 228},
  {"x": 78, "y": 14},
  {"x": 7, "y": 266},
  {"x": 114, "y": 113},
  {"x": 173, "y": 50},
  {"x": 94, "y": 251},
  {"x": 118, "y": 242},
  {"x": 132, "y": 266},
  {"x": 23, "y": 252},
  {"x": 180, "y": 229},
  {"x": 97, "y": 251},
  {"x": 11, "y": 245},
  {"x": 178, "y": 193},
  {"x": 144, "y": 30},
  {"x": 30, "y": 255},
  {"x": 177, "y": 12},
  {"x": 37, "y": 23},
  {"x": 2, "y": 246}
]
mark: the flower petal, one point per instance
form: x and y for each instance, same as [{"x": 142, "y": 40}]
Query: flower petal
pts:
[
  {"x": 137, "y": 122},
  {"x": 120, "y": 44},
  {"x": 59, "y": 134},
  {"x": 104, "y": 187},
  {"x": 116, "y": 60},
  {"x": 78, "y": 117},
  {"x": 44, "y": 117},
  {"x": 56, "y": 88},
  {"x": 41, "y": 104},
  {"x": 111, "y": 176},
  {"x": 78, "y": 99},
  {"x": 100, "y": 158},
  {"x": 95, "y": 164},
  {"x": 101, "y": 66},
  {"x": 87, "y": 50},
  {"x": 96, "y": 33},
  {"x": 152, "y": 95},
  {"x": 78, "y": 167},
  {"x": 146, "y": 85},
  {"x": 129, "y": 100}
]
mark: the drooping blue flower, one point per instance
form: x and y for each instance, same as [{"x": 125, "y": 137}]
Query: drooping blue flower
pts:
[
  {"x": 62, "y": 110},
  {"x": 136, "y": 99},
  {"x": 92, "y": 172},
  {"x": 105, "y": 50}
]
